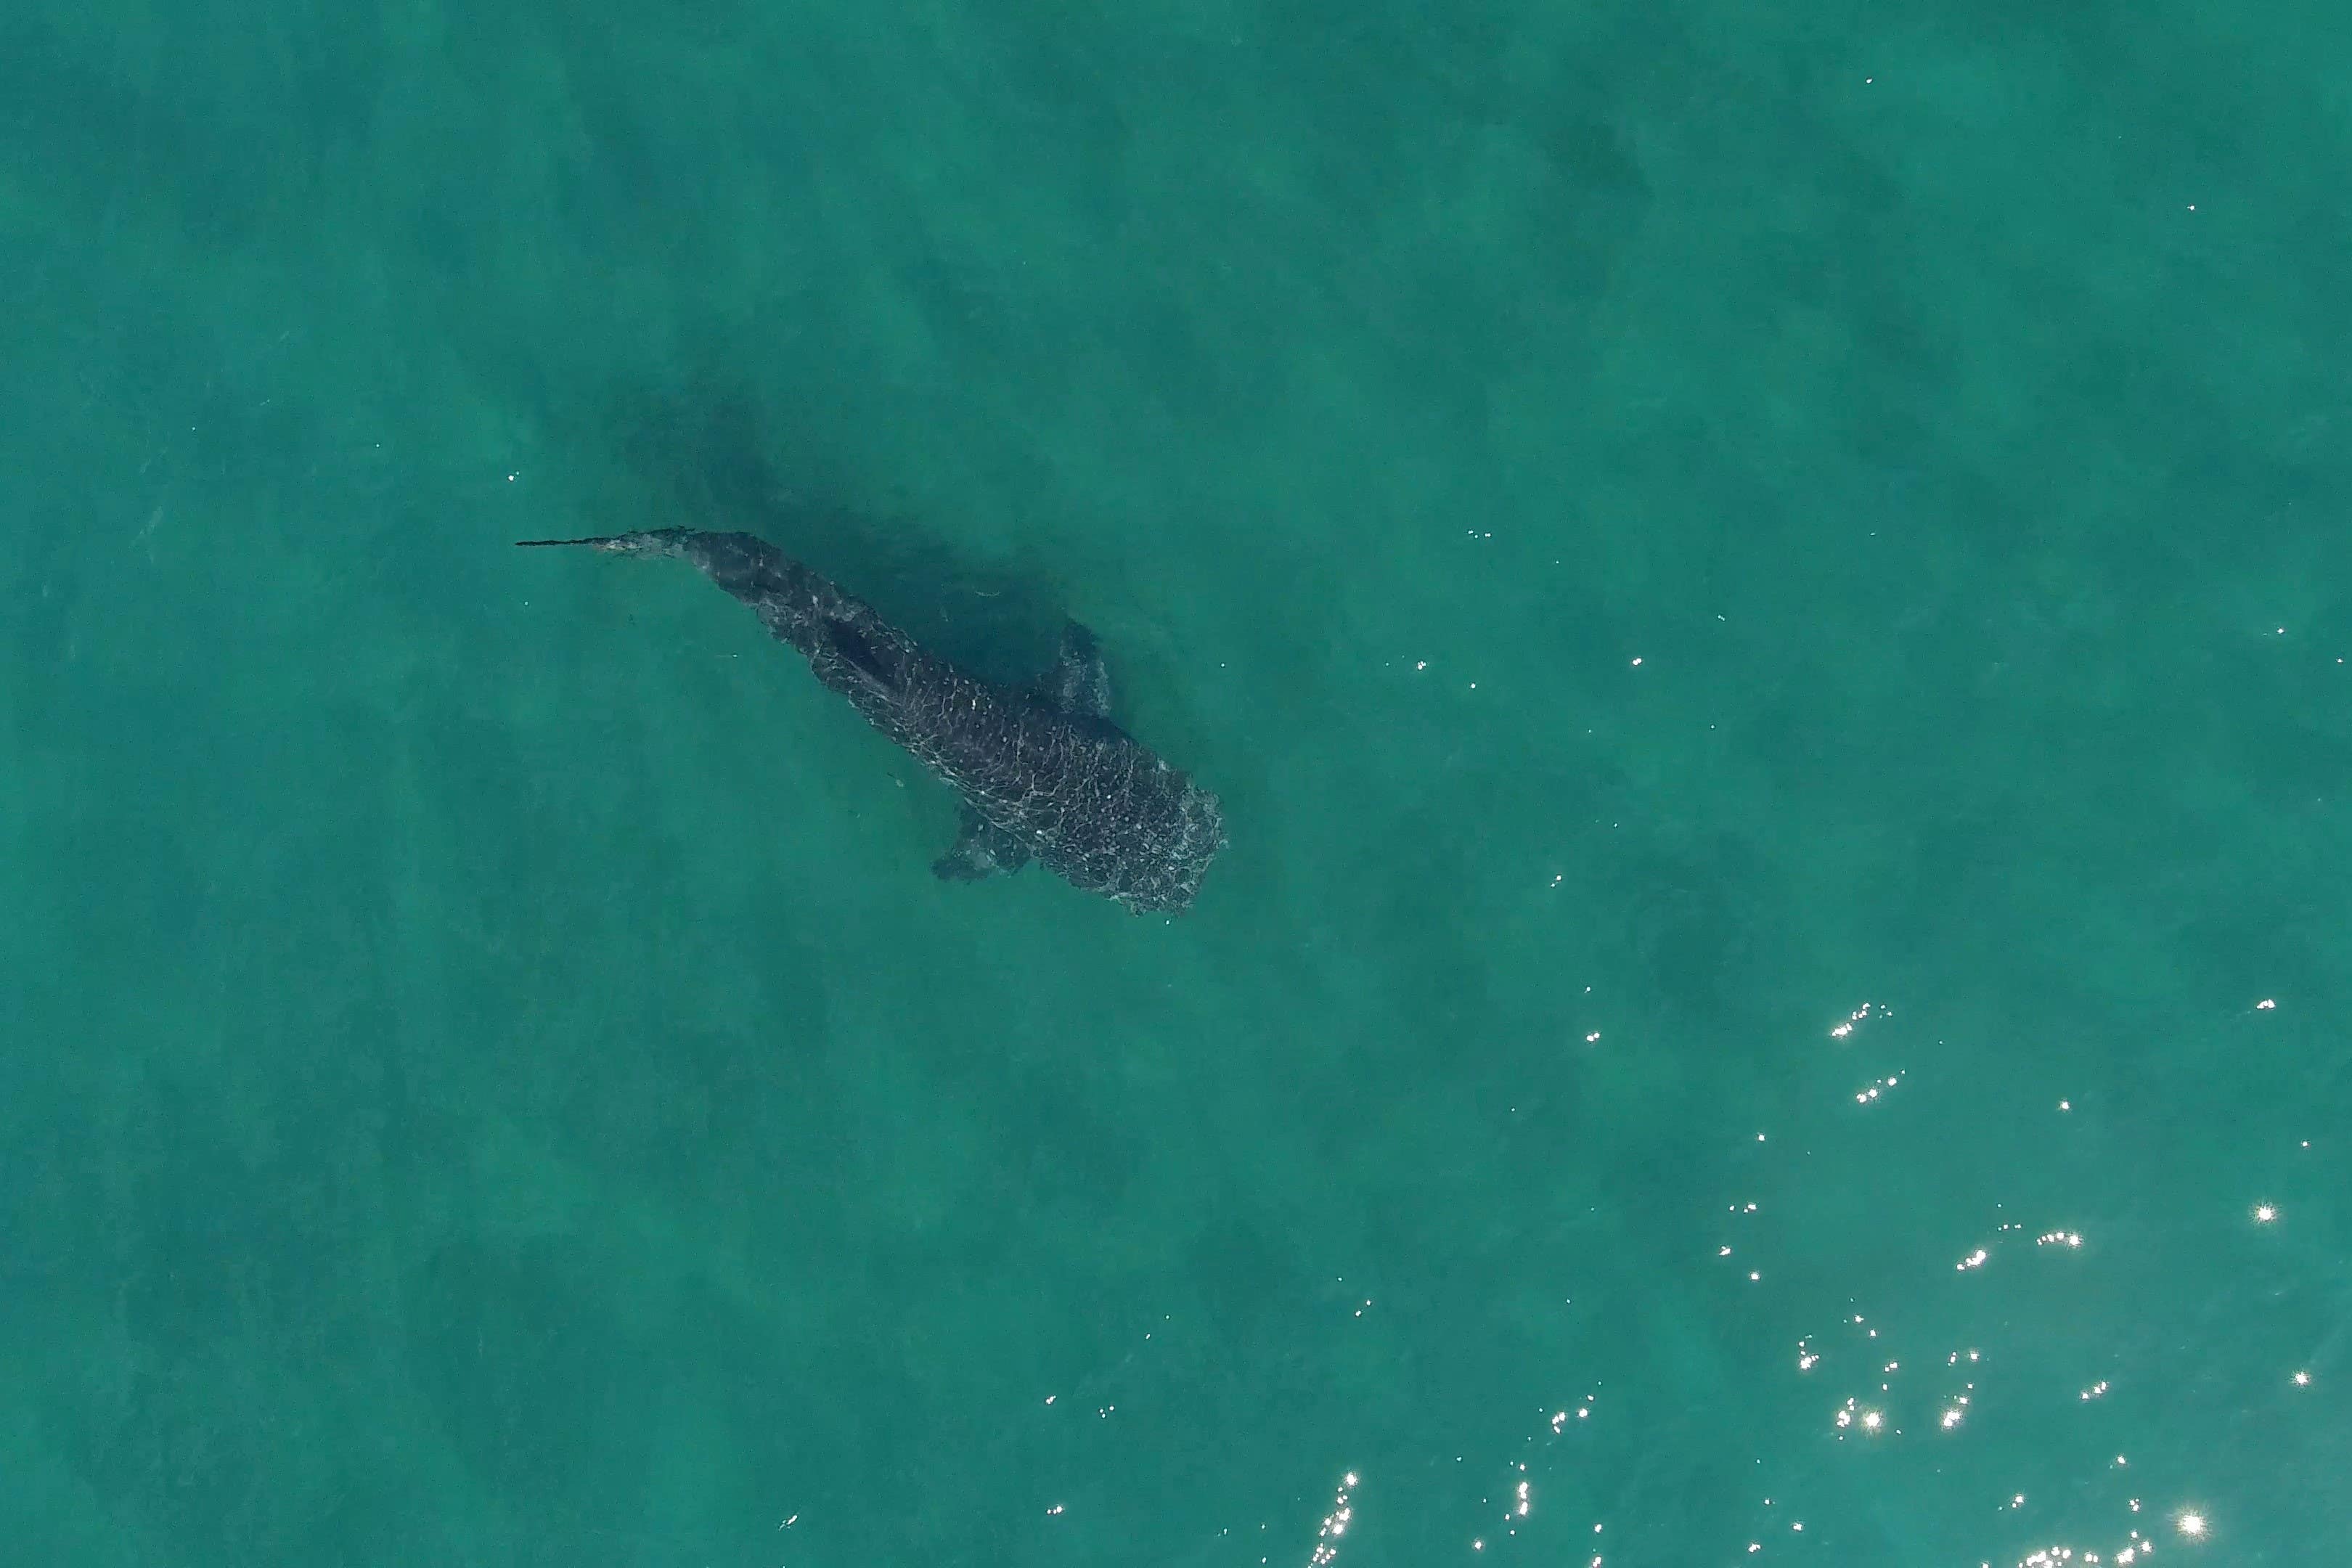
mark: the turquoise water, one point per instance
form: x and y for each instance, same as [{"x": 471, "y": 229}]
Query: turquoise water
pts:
[{"x": 1766, "y": 595}]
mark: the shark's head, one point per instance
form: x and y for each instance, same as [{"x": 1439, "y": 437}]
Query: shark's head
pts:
[{"x": 1200, "y": 834}]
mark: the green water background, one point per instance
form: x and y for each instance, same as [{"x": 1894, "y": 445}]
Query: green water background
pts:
[{"x": 1670, "y": 527}]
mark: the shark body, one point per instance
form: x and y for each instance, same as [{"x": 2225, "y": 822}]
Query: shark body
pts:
[{"x": 1042, "y": 772}]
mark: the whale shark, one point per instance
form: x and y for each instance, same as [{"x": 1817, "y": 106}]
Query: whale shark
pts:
[{"x": 1042, "y": 773}]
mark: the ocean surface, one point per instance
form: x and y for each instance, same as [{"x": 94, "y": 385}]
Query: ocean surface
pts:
[{"x": 1766, "y": 590}]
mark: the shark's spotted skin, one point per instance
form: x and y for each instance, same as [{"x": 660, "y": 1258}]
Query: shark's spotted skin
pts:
[{"x": 1042, "y": 771}]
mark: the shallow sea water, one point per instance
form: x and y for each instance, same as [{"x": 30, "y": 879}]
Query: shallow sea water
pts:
[{"x": 1765, "y": 592}]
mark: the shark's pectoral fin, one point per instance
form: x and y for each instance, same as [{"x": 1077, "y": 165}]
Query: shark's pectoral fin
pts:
[
  {"x": 1079, "y": 682},
  {"x": 981, "y": 850}
]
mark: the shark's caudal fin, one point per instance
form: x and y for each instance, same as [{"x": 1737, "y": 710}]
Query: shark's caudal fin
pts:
[
  {"x": 615, "y": 542},
  {"x": 651, "y": 541}
]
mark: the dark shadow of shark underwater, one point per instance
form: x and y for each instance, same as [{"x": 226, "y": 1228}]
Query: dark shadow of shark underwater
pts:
[{"x": 1042, "y": 772}]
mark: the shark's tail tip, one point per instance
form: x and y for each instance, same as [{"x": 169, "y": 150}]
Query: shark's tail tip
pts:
[{"x": 650, "y": 541}]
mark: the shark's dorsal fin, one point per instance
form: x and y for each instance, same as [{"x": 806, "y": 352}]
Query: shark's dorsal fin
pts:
[
  {"x": 1079, "y": 682},
  {"x": 981, "y": 850},
  {"x": 858, "y": 655}
]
